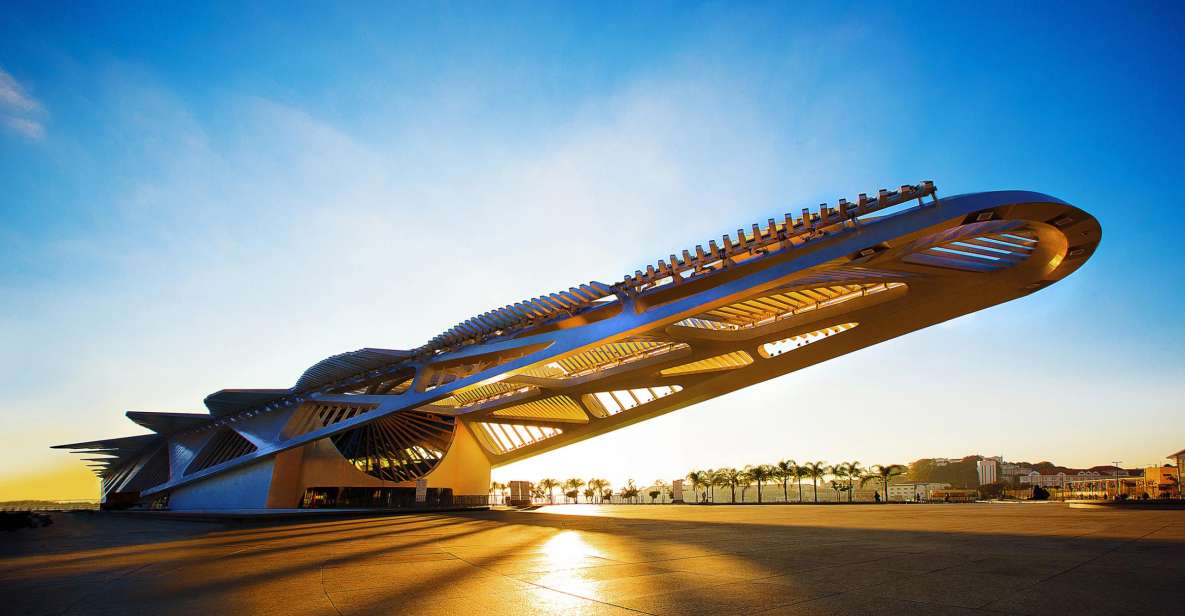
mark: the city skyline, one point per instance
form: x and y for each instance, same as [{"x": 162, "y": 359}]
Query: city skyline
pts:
[{"x": 175, "y": 218}]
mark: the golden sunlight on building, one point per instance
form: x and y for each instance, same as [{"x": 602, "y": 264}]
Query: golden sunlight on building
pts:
[{"x": 424, "y": 427}]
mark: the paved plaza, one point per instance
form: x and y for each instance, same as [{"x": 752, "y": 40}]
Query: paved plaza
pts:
[{"x": 888, "y": 559}]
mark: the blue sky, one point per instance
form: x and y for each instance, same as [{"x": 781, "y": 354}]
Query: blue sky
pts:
[{"x": 198, "y": 198}]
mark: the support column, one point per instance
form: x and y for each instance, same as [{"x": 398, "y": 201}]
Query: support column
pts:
[{"x": 465, "y": 468}]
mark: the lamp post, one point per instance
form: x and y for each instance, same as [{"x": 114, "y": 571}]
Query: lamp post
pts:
[{"x": 1116, "y": 463}]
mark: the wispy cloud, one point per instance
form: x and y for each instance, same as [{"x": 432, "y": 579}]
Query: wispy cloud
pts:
[
  {"x": 19, "y": 111},
  {"x": 24, "y": 126}
]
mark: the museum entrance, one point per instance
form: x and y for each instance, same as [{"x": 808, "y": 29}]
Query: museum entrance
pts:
[{"x": 373, "y": 498}]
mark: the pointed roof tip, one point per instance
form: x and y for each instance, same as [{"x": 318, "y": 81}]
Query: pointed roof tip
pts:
[{"x": 117, "y": 444}]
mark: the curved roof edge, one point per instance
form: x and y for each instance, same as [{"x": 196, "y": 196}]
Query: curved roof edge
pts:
[{"x": 342, "y": 365}]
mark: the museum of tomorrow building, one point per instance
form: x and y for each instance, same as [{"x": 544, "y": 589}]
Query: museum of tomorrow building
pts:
[{"x": 385, "y": 428}]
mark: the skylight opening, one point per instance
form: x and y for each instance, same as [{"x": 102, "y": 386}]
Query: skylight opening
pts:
[
  {"x": 954, "y": 251},
  {"x": 609, "y": 403},
  {"x": 726, "y": 361},
  {"x": 1019, "y": 238},
  {"x": 785, "y": 345},
  {"x": 1000, "y": 250},
  {"x": 775, "y": 307},
  {"x": 503, "y": 438}
]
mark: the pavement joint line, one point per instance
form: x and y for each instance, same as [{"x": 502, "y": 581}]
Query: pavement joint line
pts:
[
  {"x": 910, "y": 576},
  {"x": 1101, "y": 554},
  {"x": 734, "y": 581},
  {"x": 931, "y": 604},
  {"x": 907, "y": 576},
  {"x": 801, "y": 601},
  {"x": 325, "y": 592},
  {"x": 1073, "y": 567}
]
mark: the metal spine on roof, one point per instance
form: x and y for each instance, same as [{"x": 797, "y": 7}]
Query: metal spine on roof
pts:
[
  {"x": 338, "y": 367},
  {"x": 759, "y": 237},
  {"x": 521, "y": 314},
  {"x": 230, "y": 401}
]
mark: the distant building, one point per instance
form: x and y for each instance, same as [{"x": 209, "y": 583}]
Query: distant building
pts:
[
  {"x": 1102, "y": 487},
  {"x": 1051, "y": 479},
  {"x": 676, "y": 490},
  {"x": 1045, "y": 480},
  {"x": 1010, "y": 471},
  {"x": 520, "y": 493},
  {"x": 914, "y": 492},
  {"x": 1178, "y": 459},
  {"x": 988, "y": 469},
  {"x": 1162, "y": 482}
]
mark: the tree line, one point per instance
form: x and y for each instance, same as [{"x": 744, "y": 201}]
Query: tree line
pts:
[
  {"x": 845, "y": 478},
  {"x": 594, "y": 490}
]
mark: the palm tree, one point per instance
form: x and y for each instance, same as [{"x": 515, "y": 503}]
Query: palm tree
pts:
[
  {"x": 883, "y": 473},
  {"x": 598, "y": 487},
  {"x": 785, "y": 469},
  {"x": 761, "y": 474},
  {"x": 816, "y": 471},
  {"x": 698, "y": 480},
  {"x": 744, "y": 479},
  {"x": 497, "y": 487},
  {"x": 721, "y": 478},
  {"x": 550, "y": 485},
  {"x": 854, "y": 471},
  {"x": 711, "y": 477},
  {"x": 839, "y": 472},
  {"x": 728, "y": 478},
  {"x": 573, "y": 485},
  {"x": 590, "y": 493},
  {"x": 800, "y": 474}
]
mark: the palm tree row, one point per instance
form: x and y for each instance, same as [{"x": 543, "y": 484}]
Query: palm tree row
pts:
[
  {"x": 845, "y": 476},
  {"x": 595, "y": 490}
]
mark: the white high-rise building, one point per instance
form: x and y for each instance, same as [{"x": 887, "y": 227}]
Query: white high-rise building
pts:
[{"x": 988, "y": 469}]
